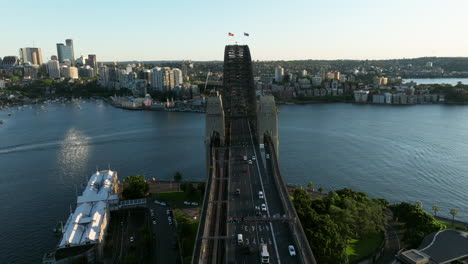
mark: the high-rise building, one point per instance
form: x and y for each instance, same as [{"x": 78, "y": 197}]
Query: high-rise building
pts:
[
  {"x": 178, "y": 77},
  {"x": 91, "y": 61},
  {"x": 32, "y": 55},
  {"x": 66, "y": 52},
  {"x": 54, "y": 57},
  {"x": 53, "y": 67},
  {"x": 279, "y": 72},
  {"x": 69, "y": 72},
  {"x": 103, "y": 76},
  {"x": 86, "y": 71}
]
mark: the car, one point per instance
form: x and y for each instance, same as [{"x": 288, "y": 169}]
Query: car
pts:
[
  {"x": 194, "y": 203},
  {"x": 168, "y": 211},
  {"x": 267, "y": 156},
  {"x": 186, "y": 202},
  {"x": 169, "y": 219},
  {"x": 157, "y": 202},
  {"x": 163, "y": 204},
  {"x": 250, "y": 161},
  {"x": 152, "y": 214},
  {"x": 154, "y": 222},
  {"x": 263, "y": 207},
  {"x": 132, "y": 239},
  {"x": 260, "y": 195},
  {"x": 254, "y": 158},
  {"x": 292, "y": 251}
]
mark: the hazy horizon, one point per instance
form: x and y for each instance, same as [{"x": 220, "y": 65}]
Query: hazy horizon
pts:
[{"x": 296, "y": 30}]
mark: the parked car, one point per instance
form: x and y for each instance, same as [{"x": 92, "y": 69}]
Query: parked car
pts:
[
  {"x": 194, "y": 203},
  {"x": 186, "y": 202}
]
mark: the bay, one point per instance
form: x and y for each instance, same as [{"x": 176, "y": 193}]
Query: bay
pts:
[
  {"x": 451, "y": 81},
  {"x": 401, "y": 153}
]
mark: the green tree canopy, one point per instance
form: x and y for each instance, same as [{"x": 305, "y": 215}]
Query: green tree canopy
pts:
[{"x": 135, "y": 187}]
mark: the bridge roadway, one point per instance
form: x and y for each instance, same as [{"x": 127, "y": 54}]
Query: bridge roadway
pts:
[{"x": 250, "y": 179}]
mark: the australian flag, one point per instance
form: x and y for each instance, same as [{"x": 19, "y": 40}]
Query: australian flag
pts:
[{"x": 246, "y": 34}]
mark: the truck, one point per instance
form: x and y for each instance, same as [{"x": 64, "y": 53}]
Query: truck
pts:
[{"x": 264, "y": 255}]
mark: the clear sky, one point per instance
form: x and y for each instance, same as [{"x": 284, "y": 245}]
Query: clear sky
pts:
[{"x": 117, "y": 30}]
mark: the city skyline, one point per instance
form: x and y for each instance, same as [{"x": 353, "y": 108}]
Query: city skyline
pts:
[{"x": 293, "y": 31}]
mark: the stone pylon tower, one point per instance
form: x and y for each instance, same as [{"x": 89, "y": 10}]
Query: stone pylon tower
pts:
[{"x": 267, "y": 120}]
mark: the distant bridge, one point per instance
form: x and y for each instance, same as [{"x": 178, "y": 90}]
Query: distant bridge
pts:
[{"x": 244, "y": 181}]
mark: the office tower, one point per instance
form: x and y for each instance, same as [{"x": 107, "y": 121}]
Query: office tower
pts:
[
  {"x": 66, "y": 52},
  {"x": 54, "y": 57},
  {"x": 32, "y": 55},
  {"x": 53, "y": 67},
  {"x": 279, "y": 72},
  {"x": 103, "y": 76},
  {"x": 91, "y": 61}
]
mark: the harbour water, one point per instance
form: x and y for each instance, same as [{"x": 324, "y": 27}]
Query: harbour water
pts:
[
  {"x": 405, "y": 153},
  {"x": 451, "y": 81}
]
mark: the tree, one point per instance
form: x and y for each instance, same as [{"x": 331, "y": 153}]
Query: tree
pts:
[
  {"x": 419, "y": 204},
  {"x": 436, "y": 209},
  {"x": 320, "y": 189},
  {"x": 177, "y": 176},
  {"x": 453, "y": 212},
  {"x": 135, "y": 187},
  {"x": 310, "y": 185}
]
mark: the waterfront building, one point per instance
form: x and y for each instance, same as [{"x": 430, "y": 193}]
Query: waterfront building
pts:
[
  {"x": 66, "y": 52},
  {"x": 361, "y": 96},
  {"x": 403, "y": 98},
  {"x": 304, "y": 83},
  {"x": 316, "y": 81},
  {"x": 395, "y": 98},
  {"x": 86, "y": 71},
  {"x": 378, "y": 98},
  {"x": 279, "y": 73},
  {"x": 178, "y": 77},
  {"x": 103, "y": 76},
  {"x": 83, "y": 234},
  {"x": 53, "y": 68},
  {"x": 388, "y": 98},
  {"x": 91, "y": 61},
  {"x": 32, "y": 55},
  {"x": 73, "y": 72}
]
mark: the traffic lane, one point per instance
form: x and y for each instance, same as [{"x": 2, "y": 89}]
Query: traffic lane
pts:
[
  {"x": 164, "y": 235},
  {"x": 273, "y": 195},
  {"x": 284, "y": 238}
]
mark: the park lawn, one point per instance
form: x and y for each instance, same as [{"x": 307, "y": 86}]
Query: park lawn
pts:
[
  {"x": 448, "y": 225},
  {"x": 364, "y": 247},
  {"x": 187, "y": 232},
  {"x": 176, "y": 199}
]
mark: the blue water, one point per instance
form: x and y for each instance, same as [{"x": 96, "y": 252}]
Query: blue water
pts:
[
  {"x": 451, "y": 81},
  {"x": 405, "y": 153}
]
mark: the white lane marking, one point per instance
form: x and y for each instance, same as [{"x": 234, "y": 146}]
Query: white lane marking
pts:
[
  {"x": 261, "y": 240},
  {"x": 255, "y": 242},
  {"x": 253, "y": 228},
  {"x": 260, "y": 228}
]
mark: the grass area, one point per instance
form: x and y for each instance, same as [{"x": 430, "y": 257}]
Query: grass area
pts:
[
  {"x": 359, "y": 249},
  {"x": 176, "y": 199},
  {"x": 448, "y": 225},
  {"x": 186, "y": 232}
]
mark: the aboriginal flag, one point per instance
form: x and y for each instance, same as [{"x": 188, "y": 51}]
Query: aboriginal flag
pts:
[{"x": 230, "y": 34}]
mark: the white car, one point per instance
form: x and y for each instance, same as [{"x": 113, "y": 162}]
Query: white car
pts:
[
  {"x": 157, "y": 202},
  {"x": 131, "y": 239},
  {"x": 267, "y": 156},
  {"x": 260, "y": 195},
  {"x": 194, "y": 203},
  {"x": 168, "y": 212},
  {"x": 163, "y": 203},
  {"x": 186, "y": 202},
  {"x": 169, "y": 219},
  {"x": 292, "y": 251},
  {"x": 250, "y": 161},
  {"x": 154, "y": 222},
  {"x": 263, "y": 207},
  {"x": 254, "y": 158}
]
